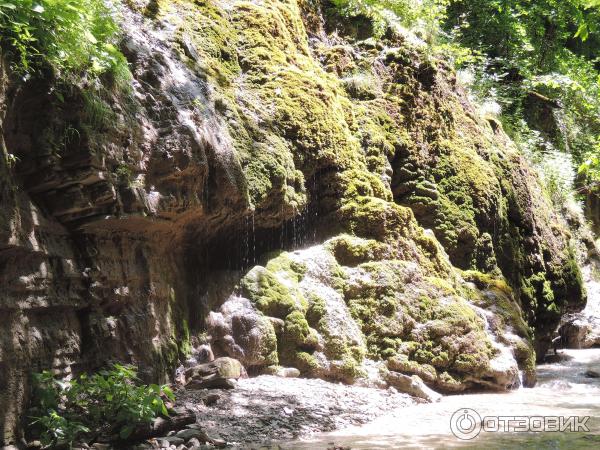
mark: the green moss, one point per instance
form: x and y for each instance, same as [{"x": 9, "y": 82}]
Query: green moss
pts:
[
  {"x": 374, "y": 306},
  {"x": 362, "y": 86},
  {"x": 350, "y": 369},
  {"x": 297, "y": 343},
  {"x": 351, "y": 251},
  {"x": 471, "y": 363},
  {"x": 345, "y": 354},
  {"x": 205, "y": 36},
  {"x": 401, "y": 363},
  {"x": 274, "y": 288},
  {"x": 316, "y": 309},
  {"x": 296, "y": 329},
  {"x": 486, "y": 281},
  {"x": 305, "y": 362},
  {"x": 268, "y": 344},
  {"x": 526, "y": 357},
  {"x": 360, "y": 183},
  {"x": 374, "y": 218},
  {"x": 537, "y": 291},
  {"x": 450, "y": 335},
  {"x": 450, "y": 383},
  {"x": 380, "y": 154},
  {"x": 441, "y": 285},
  {"x": 185, "y": 346},
  {"x": 281, "y": 264},
  {"x": 271, "y": 296},
  {"x": 502, "y": 300}
]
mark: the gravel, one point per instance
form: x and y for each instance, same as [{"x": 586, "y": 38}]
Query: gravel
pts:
[{"x": 268, "y": 409}]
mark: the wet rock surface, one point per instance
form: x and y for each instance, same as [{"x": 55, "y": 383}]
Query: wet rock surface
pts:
[{"x": 582, "y": 330}]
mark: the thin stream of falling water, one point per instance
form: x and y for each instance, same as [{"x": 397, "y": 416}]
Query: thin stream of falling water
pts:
[
  {"x": 253, "y": 240},
  {"x": 315, "y": 203},
  {"x": 294, "y": 232}
]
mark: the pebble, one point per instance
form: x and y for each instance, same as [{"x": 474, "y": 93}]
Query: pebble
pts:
[
  {"x": 171, "y": 440},
  {"x": 211, "y": 399},
  {"x": 100, "y": 446},
  {"x": 193, "y": 442},
  {"x": 219, "y": 443},
  {"x": 191, "y": 433}
]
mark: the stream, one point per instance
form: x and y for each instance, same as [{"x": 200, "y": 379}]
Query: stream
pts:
[{"x": 562, "y": 390}]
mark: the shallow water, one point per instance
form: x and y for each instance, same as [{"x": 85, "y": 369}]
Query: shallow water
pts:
[{"x": 562, "y": 390}]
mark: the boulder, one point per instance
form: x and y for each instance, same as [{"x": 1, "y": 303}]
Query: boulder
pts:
[
  {"x": 412, "y": 385},
  {"x": 240, "y": 331},
  {"x": 171, "y": 440},
  {"x": 287, "y": 372},
  {"x": 216, "y": 374},
  {"x": 189, "y": 433},
  {"x": 581, "y": 331},
  {"x": 203, "y": 354},
  {"x": 401, "y": 363},
  {"x": 225, "y": 367}
]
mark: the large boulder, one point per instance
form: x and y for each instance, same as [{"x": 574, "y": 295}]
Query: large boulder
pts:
[
  {"x": 241, "y": 332},
  {"x": 352, "y": 300},
  {"x": 215, "y": 374}
]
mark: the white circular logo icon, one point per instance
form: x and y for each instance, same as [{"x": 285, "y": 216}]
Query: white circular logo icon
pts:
[{"x": 465, "y": 424}]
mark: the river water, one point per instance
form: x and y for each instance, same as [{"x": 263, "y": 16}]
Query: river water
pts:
[{"x": 562, "y": 390}]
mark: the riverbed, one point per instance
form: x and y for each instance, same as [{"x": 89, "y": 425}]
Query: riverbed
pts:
[{"x": 563, "y": 390}]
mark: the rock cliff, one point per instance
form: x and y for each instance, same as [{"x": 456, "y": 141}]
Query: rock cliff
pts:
[{"x": 275, "y": 179}]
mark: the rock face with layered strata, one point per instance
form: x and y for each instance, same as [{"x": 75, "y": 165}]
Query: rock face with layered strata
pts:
[{"x": 250, "y": 127}]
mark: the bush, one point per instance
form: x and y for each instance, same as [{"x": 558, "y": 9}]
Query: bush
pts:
[
  {"x": 422, "y": 15},
  {"x": 544, "y": 47},
  {"x": 69, "y": 37},
  {"x": 108, "y": 402},
  {"x": 589, "y": 171}
]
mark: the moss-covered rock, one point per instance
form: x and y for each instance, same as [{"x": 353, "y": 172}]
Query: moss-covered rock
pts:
[
  {"x": 392, "y": 310},
  {"x": 274, "y": 288},
  {"x": 317, "y": 335}
]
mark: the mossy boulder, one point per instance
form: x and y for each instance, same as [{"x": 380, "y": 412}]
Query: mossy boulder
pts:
[
  {"x": 317, "y": 335},
  {"x": 334, "y": 315},
  {"x": 240, "y": 331}
]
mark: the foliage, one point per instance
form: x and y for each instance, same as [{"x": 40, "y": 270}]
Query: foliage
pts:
[
  {"x": 546, "y": 47},
  {"x": 528, "y": 36},
  {"x": 106, "y": 402},
  {"x": 589, "y": 170},
  {"x": 69, "y": 37},
  {"x": 422, "y": 15}
]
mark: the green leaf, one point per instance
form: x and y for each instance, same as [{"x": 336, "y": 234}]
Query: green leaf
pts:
[
  {"x": 168, "y": 392},
  {"x": 583, "y": 32}
]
